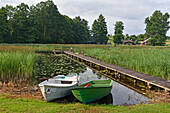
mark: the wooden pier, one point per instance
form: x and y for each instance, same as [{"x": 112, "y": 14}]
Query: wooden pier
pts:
[
  {"x": 122, "y": 74},
  {"x": 49, "y": 52}
]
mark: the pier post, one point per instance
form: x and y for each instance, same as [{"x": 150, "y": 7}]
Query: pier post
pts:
[
  {"x": 134, "y": 82},
  {"x": 91, "y": 64},
  {"x": 148, "y": 85}
]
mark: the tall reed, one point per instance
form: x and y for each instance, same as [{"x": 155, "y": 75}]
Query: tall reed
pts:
[
  {"x": 152, "y": 61},
  {"x": 16, "y": 66}
]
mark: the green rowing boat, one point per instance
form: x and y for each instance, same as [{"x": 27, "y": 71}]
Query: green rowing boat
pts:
[{"x": 92, "y": 90}]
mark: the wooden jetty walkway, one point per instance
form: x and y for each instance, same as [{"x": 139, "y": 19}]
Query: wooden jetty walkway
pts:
[
  {"x": 49, "y": 52},
  {"x": 148, "y": 80}
]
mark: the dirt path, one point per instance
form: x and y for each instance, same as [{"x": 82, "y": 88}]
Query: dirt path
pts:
[{"x": 23, "y": 92}]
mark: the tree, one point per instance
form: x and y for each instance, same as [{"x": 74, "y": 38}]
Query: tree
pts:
[
  {"x": 156, "y": 27},
  {"x": 41, "y": 23},
  {"x": 133, "y": 37},
  {"x": 140, "y": 37},
  {"x": 3, "y": 26},
  {"x": 99, "y": 30},
  {"x": 20, "y": 24},
  {"x": 10, "y": 14},
  {"x": 118, "y": 32},
  {"x": 127, "y": 37},
  {"x": 81, "y": 30},
  {"x": 50, "y": 23}
]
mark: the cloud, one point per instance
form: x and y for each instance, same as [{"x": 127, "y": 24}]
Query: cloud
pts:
[{"x": 131, "y": 12}]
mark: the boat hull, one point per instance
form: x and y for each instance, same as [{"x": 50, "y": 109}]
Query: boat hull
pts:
[
  {"x": 57, "y": 87},
  {"x": 90, "y": 94},
  {"x": 51, "y": 93}
]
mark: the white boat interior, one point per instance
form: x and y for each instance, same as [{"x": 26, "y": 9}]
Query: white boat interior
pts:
[{"x": 60, "y": 81}]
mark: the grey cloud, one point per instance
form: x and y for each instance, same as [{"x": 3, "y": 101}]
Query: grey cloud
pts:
[{"x": 131, "y": 12}]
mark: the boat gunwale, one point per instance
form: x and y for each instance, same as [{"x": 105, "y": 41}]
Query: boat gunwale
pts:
[
  {"x": 58, "y": 85},
  {"x": 92, "y": 87}
]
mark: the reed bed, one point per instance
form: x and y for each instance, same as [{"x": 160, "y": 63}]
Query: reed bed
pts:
[
  {"x": 28, "y": 48},
  {"x": 149, "y": 60},
  {"x": 17, "y": 60},
  {"x": 16, "y": 66}
]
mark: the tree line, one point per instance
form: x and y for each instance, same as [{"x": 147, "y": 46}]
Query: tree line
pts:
[
  {"x": 156, "y": 29},
  {"x": 43, "y": 23}
]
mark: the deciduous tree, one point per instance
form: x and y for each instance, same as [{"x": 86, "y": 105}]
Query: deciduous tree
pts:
[
  {"x": 118, "y": 32},
  {"x": 156, "y": 27},
  {"x": 3, "y": 26}
]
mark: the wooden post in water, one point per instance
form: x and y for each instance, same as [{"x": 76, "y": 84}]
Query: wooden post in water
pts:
[
  {"x": 113, "y": 74},
  {"x": 148, "y": 86},
  {"x": 98, "y": 67},
  {"x": 116, "y": 74},
  {"x": 134, "y": 82},
  {"x": 91, "y": 64}
]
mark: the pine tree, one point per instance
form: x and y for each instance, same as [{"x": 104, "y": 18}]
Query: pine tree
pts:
[{"x": 99, "y": 30}]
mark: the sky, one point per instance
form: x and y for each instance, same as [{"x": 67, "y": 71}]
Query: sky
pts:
[{"x": 131, "y": 12}]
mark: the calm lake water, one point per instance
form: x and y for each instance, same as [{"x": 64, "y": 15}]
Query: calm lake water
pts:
[{"x": 50, "y": 65}]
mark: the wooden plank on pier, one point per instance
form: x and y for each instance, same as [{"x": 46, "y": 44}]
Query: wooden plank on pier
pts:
[{"x": 131, "y": 73}]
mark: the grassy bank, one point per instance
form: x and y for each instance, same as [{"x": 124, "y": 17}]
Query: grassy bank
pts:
[{"x": 19, "y": 105}]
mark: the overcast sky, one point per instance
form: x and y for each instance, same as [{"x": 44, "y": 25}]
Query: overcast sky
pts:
[{"x": 131, "y": 12}]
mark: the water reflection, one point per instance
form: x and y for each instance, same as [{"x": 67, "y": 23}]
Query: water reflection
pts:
[
  {"x": 105, "y": 100},
  {"x": 125, "y": 96}
]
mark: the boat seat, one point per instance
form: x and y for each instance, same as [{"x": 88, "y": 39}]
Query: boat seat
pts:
[
  {"x": 100, "y": 85},
  {"x": 66, "y": 82}
]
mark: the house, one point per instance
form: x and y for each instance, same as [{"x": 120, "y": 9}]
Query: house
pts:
[
  {"x": 145, "y": 42},
  {"x": 91, "y": 41},
  {"x": 128, "y": 42}
]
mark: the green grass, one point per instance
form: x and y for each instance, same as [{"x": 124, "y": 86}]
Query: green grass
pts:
[
  {"x": 168, "y": 42},
  {"x": 18, "y": 105}
]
